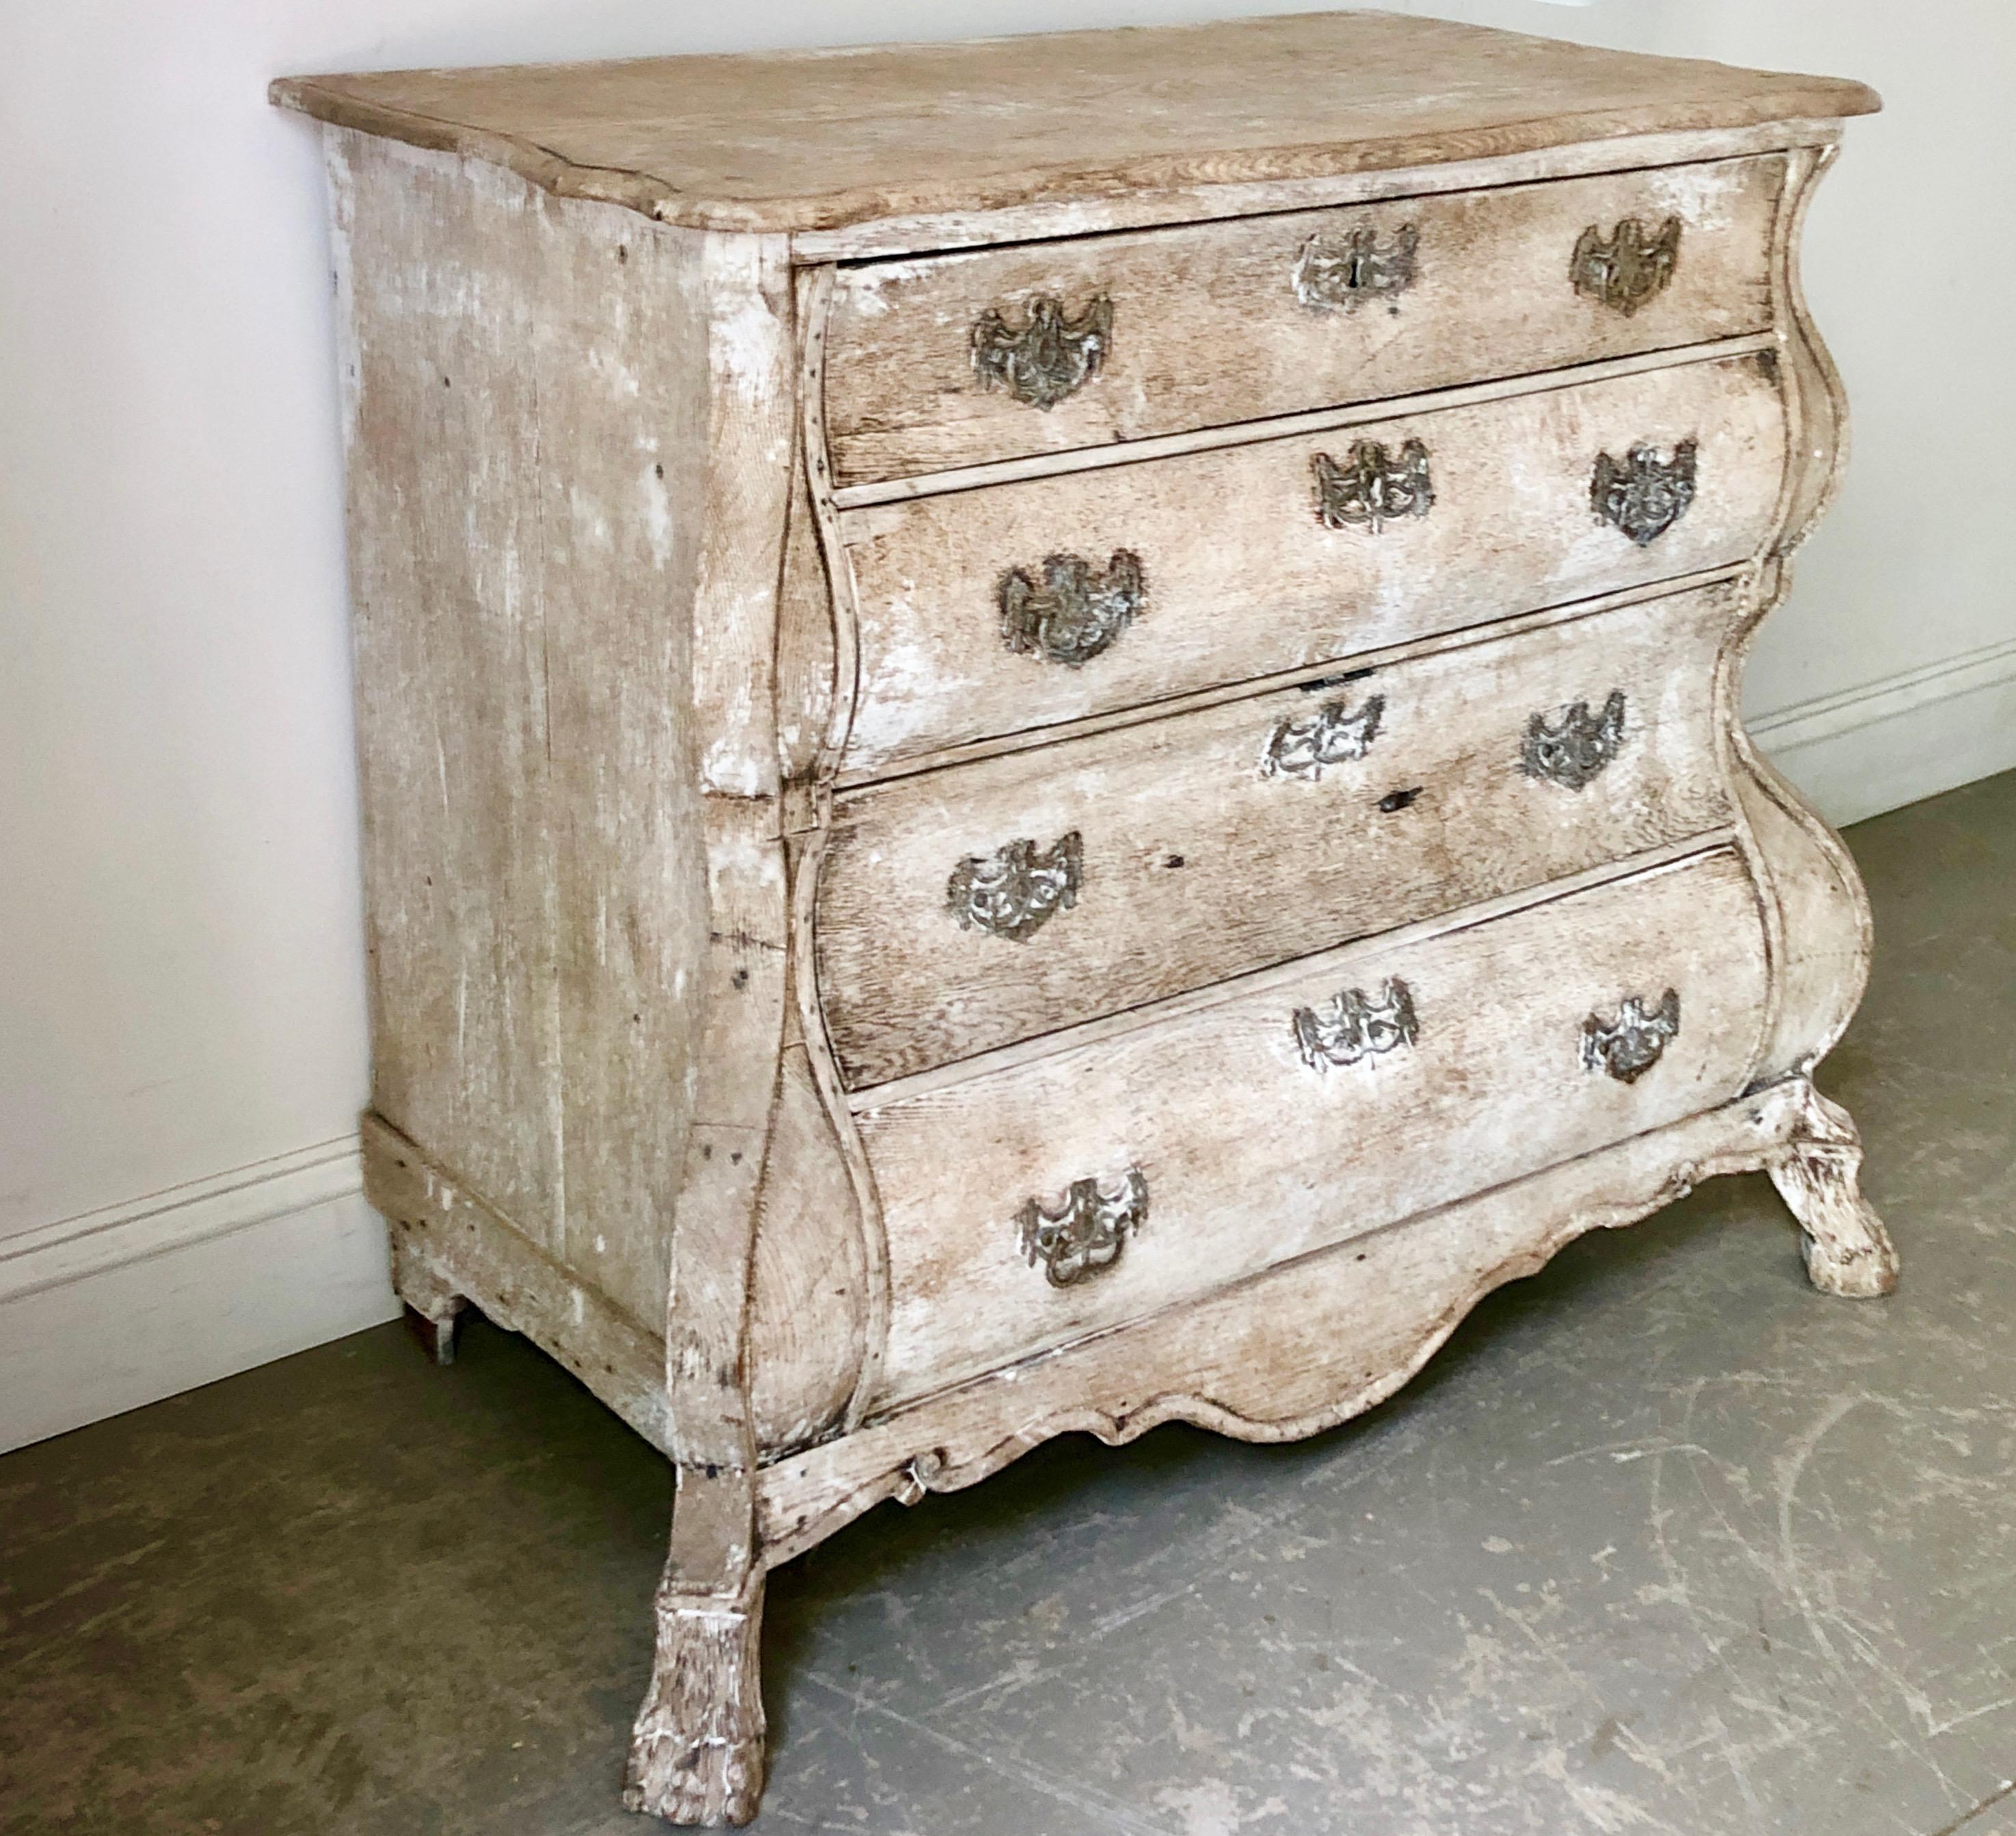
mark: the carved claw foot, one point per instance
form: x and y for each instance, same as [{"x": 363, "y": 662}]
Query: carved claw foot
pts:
[
  {"x": 1848, "y": 1251},
  {"x": 696, "y": 1751}
]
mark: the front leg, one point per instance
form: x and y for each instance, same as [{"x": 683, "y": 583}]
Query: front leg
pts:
[
  {"x": 696, "y": 1750},
  {"x": 1818, "y": 1174}
]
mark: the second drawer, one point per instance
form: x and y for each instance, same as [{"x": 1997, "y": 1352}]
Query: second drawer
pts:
[
  {"x": 964, "y": 908},
  {"x": 1020, "y": 605}
]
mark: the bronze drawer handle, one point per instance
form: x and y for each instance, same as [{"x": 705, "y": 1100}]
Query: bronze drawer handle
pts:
[
  {"x": 1014, "y": 891},
  {"x": 1334, "y": 271},
  {"x": 1574, "y": 747},
  {"x": 1628, "y": 267},
  {"x": 1372, "y": 488},
  {"x": 1049, "y": 355},
  {"x": 1076, "y": 612},
  {"x": 1355, "y": 1025},
  {"x": 1333, "y": 735},
  {"x": 1086, "y": 1233},
  {"x": 1648, "y": 491},
  {"x": 1629, "y": 1045}
]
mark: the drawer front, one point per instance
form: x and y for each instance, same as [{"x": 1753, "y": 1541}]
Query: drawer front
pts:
[
  {"x": 1032, "y": 1205},
  {"x": 1020, "y": 605},
  {"x": 963, "y": 909},
  {"x": 955, "y": 360}
]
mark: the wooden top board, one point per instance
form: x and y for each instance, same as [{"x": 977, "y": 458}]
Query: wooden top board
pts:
[{"x": 811, "y": 140}]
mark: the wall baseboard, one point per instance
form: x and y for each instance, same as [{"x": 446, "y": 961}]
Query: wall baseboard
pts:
[
  {"x": 101, "y": 1313},
  {"x": 1901, "y": 738}
]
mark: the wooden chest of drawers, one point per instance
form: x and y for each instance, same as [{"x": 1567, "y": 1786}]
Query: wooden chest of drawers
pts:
[{"x": 1049, "y": 731}]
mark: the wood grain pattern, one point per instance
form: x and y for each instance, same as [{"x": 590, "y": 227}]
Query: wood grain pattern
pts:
[
  {"x": 464, "y": 1246},
  {"x": 805, "y": 1304},
  {"x": 1336, "y": 422},
  {"x": 1180, "y": 826},
  {"x": 808, "y": 1294},
  {"x": 535, "y": 775},
  {"x": 864, "y": 1206},
  {"x": 808, "y": 140},
  {"x": 1241, "y": 578},
  {"x": 1251, "y": 1155},
  {"x": 449, "y": 628},
  {"x": 618, "y": 446},
  {"x": 751, "y": 376},
  {"x": 1208, "y": 327}
]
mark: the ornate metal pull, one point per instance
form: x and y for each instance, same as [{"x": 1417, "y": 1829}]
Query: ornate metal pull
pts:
[
  {"x": 1371, "y": 487},
  {"x": 1334, "y": 271},
  {"x": 1087, "y": 1231},
  {"x": 1629, "y": 1045},
  {"x": 1355, "y": 1025},
  {"x": 1628, "y": 267},
  {"x": 1573, "y": 748},
  {"x": 1333, "y": 735},
  {"x": 1076, "y": 612},
  {"x": 1647, "y": 492},
  {"x": 1048, "y": 357},
  {"x": 1013, "y": 891}
]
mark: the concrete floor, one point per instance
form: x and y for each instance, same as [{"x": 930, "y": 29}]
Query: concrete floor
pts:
[{"x": 1664, "y": 1540}]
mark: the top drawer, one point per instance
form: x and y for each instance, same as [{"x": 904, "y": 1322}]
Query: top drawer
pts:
[{"x": 956, "y": 360}]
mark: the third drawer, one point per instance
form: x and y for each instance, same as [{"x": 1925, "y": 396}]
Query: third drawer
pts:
[{"x": 964, "y": 908}]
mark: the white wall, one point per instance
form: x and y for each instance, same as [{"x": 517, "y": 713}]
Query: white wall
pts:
[{"x": 182, "y": 1017}]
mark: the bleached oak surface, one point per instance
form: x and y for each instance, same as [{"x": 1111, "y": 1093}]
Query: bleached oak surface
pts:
[
  {"x": 684, "y": 692},
  {"x": 799, "y": 140},
  {"x": 1180, "y": 827},
  {"x": 1209, "y": 327},
  {"x": 1241, "y": 579},
  {"x": 1252, "y": 1156}
]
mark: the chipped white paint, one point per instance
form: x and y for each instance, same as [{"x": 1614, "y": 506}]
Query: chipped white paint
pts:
[
  {"x": 1707, "y": 199},
  {"x": 742, "y": 333}
]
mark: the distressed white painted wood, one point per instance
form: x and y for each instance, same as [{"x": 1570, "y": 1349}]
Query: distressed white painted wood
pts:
[
  {"x": 725, "y": 1045},
  {"x": 1265, "y": 1358},
  {"x": 1210, "y": 324},
  {"x": 1251, "y": 1154},
  {"x": 1182, "y": 821},
  {"x": 1240, "y": 578}
]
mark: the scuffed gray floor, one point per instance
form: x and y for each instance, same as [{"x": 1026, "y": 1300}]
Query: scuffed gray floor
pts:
[{"x": 1663, "y": 1541}]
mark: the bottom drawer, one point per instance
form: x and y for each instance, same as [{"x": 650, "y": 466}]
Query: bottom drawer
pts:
[{"x": 1029, "y": 1204}]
